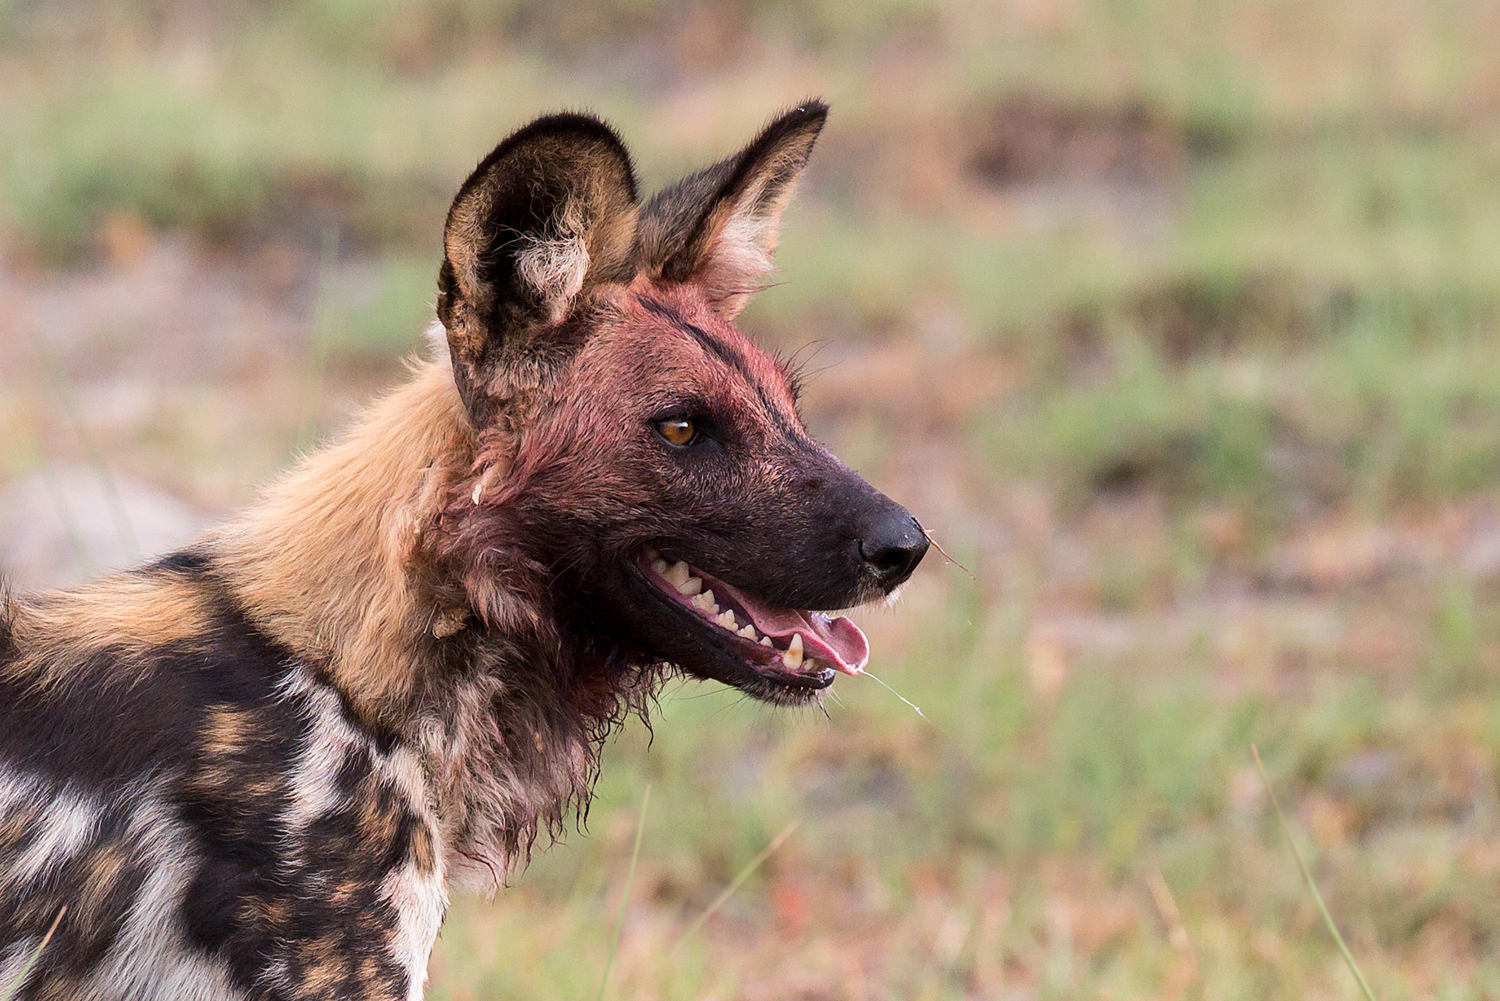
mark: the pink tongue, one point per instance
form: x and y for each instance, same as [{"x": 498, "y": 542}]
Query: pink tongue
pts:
[{"x": 836, "y": 641}]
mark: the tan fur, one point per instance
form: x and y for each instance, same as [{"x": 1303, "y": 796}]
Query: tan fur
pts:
[
  {"x": 324, "y": 563},
  {"x": 123, "y": 612}
]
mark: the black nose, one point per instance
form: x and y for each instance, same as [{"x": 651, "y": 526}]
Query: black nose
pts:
[{"x": 893, "y": 546}]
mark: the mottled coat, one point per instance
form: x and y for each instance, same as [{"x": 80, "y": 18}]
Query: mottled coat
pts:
[{"x": 255, "y": 768}]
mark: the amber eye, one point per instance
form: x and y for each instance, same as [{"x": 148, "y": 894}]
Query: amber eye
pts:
[{"x": 677, "y": 430}]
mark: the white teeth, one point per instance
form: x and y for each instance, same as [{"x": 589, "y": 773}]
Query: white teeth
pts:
[
  {"x": 705, "y": 602},
  {"x": 793, "y": 656},
  {"x": 766, "y": 641},
  {"x": 652, "y": 555},
  {"x": 748, "y": 632},
  {"x": 727, "y": 620},
  {"x": 690, "y": 586},
  {"x": 658, "y": 565},
  {"x": 677, "y": 573}
]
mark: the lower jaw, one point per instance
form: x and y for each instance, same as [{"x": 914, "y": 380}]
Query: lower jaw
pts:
[
  {"x": 751, "y": 676},
  {"x": 779, "y": 691},
  {"x": 768, "y": 682}
]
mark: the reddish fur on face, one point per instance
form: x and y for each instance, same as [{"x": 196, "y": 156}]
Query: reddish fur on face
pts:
[
  {"x": 582, "y": 454},
  {"x": 413, "y": 648},
  {"x": 639, "y": 362}
]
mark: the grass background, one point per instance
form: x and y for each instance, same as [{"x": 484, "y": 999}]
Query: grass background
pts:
[{"x": 1175, "y": 319}]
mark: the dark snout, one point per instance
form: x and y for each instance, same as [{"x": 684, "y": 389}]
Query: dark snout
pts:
[
  {"x": 880, "y": 541},
  {"x": 892, "y": 543}
]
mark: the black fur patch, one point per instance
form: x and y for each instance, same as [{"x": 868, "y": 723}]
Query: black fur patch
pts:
[
  {"x": 317, "y": 907},
  {"x": 97, "y": 883},
  {"x": 100, "y": 730},
  {"x": 211, "y": 713}
]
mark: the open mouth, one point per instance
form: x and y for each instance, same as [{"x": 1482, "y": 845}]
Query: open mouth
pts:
[{"x": 802, "y": 649}]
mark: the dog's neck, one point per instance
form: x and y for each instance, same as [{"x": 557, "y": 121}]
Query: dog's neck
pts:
[
  {"x": 351, "y": 562},
  {"x": 325, "y": 563}
]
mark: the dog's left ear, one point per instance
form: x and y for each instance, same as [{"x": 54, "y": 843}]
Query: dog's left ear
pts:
[
  {"x": 545, "y": 220},
  {"x": 718, "y": 228}
]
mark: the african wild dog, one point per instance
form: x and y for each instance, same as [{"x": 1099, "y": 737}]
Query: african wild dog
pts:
[{"x": 254, "y": 768}]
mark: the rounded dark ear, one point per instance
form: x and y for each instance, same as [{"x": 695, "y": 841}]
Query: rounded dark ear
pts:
[
  {"x": 547, "y": 217},
  {"x": 718, "y": 228}
]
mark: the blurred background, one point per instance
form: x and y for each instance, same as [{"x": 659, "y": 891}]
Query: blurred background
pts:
[{"x": 1175, "y": 320}]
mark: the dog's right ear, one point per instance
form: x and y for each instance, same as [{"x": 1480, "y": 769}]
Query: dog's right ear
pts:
[{"x": 546, "y": 218}]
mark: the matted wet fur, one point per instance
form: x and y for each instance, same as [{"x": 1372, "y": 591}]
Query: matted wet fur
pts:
[{"x": 254, "y": 768}]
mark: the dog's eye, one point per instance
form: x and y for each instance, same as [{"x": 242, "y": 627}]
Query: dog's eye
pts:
[{"x": 677, "y": 431}]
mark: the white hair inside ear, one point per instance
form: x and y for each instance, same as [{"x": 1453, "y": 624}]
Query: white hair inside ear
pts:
[
  {"x": 556, "y": 263},
  {"x": 740, "y": 258}
]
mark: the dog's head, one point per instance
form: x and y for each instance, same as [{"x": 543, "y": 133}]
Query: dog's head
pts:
[{"x": 638, "y": 452}]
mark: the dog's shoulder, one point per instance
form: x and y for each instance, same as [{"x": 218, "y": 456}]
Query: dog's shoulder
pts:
[
  {"x": 210, "y": 813},
  {"x": 101, "y": 685}
]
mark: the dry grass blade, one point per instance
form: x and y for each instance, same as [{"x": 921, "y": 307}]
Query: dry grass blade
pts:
[
  {"x": 915, "y": 708},
  {"x": 64, "y": 510},
  {"x": 1186, "y": 970},
  {"x": 1286, "y": 830},
  {"x": 635, "y": 856},
  {"x": 11, "y": 991},
  {"x": 735, "y": 884},
  {"x": 944, "y": 552}
]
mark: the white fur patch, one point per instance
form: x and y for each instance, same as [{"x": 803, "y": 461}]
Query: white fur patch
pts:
[
  {"x": 420, "y": 899},
  {"x": 67, "y": 824},
  {"x": 149, "y": 961},
  {"x": 739, "y": 258},
  {"x": 746, "y": 244},
  {"x": 421, "y": 902},
  {"x": 556, "y": 265},
  {"x": 314, "y": 778},
  {"x": 436, "y": 336}
]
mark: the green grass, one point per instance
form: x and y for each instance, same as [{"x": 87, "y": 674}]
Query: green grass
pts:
[
  {"x": 8, "y": 991},
  {"x": 1289, "y": 332},
  {"x": 1134, "y": 764}
]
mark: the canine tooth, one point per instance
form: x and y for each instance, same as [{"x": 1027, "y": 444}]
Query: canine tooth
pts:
[
  {"x": 705, "y": 601},
  {"x": 677, "y": 573},
  {"x": 793, "y": 656},
  {"x": 659, "y": 565},
  {"x": 748, "y": 632},
  {"x": 652, "y": 555},
  {"x": 766, "y": 641},
  {"x": 727, "y": 620},
  {"x": 690, "y": 586}
]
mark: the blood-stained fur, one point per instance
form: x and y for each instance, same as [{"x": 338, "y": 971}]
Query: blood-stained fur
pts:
[{"x": 256, "y": 768}]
